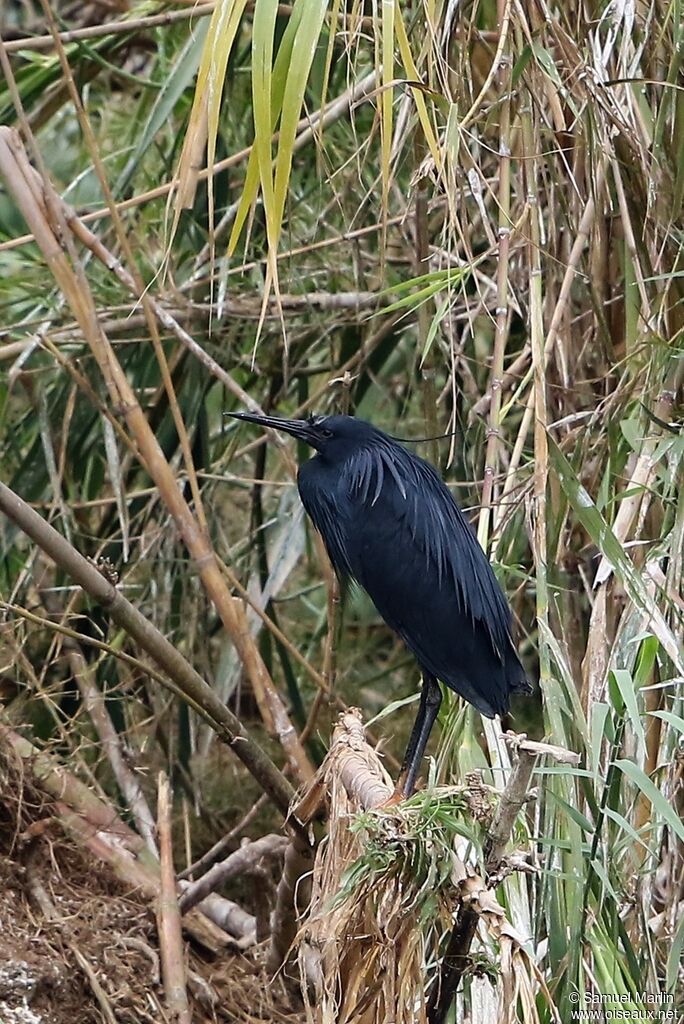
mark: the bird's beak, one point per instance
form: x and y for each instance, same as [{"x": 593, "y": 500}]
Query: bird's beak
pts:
[{"x": 301, "y": 429}]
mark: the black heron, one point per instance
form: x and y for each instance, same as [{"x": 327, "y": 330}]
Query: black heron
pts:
[{"x": 389, "y": 522}]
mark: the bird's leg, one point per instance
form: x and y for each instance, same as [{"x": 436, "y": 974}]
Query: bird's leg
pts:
[
  {"x": 413, "y": 738},
  {"x": 430, "y": 700}
]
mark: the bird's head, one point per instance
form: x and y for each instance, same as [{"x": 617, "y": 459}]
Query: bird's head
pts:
[{"x": 331, "y": 436}]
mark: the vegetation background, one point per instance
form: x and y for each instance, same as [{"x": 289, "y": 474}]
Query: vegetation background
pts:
[{"x": 458, "y": 219}]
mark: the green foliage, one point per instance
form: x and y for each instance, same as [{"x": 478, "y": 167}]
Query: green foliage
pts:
[{"x": 413, "y": 845}]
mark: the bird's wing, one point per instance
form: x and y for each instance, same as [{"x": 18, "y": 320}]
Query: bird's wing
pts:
[
  {"x": 389, "y": 522},
  {"x": 406, "y": 517}
]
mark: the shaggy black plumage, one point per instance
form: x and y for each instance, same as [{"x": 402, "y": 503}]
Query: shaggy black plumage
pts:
[{"x": 389, "y": 522}]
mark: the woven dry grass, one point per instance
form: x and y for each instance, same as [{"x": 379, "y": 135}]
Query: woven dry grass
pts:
[{"x": 389, "y": 884}]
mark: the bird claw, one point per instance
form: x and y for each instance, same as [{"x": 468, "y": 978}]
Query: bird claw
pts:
[
  {"x": 398, "y": 796},
  {"x": 392, "y": 801}
]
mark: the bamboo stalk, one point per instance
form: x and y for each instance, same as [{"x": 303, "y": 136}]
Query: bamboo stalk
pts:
[
  {"x": 531, "y": 147},
  {"x": 504, "y": 73},
  {"x": 168, "y": 915},
  {"x": 298, "y": 862}
]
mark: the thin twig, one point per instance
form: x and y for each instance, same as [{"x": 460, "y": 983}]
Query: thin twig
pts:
[
  {"x": 109, "y": 29},
  {"x": 224, "y": 843},
  {"x": 326, "y": 691},
  {"x": 126, "y": 779},
  {"x": 238, "y": 863}
]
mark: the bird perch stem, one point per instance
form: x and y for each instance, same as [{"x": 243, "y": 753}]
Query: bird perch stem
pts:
[{"x": 456, "y": 958}]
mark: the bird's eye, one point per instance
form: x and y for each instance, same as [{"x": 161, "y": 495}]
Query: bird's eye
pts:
[{"x": 326, "y": 433}]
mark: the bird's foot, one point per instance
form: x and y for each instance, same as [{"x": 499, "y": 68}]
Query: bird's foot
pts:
[
  {"x": 402, "y": 791},
  {"x": 392, "y": 801}
]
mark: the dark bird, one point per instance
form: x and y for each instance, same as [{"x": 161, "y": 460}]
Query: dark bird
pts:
[{"x": 389, "y": 522}]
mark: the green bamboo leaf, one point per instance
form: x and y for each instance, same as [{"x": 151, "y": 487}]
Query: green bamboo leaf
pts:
[
  {"x": 283, "y": 61},
  {"x": 609, "y": 546},
  {"x": 597, "y": 731},
  {"x": 601, "y": 872},
  {"x": 263, "y": 29},
  {"x": 570, "y": 688},
  {"x": 675, "y": 721},
  {"x": 610, "y": 963},
  {"x": 660, "y": 803},
  {"x": 620, "y": 820},
  {"x": 448, "y": 275},
  {"x": 434, "y": 327},
  {"x": 390, "y": 708},
  {"x": 567, "y": 846},
  {"x": 412, "y": 301},
  {"x": 386, "y": 33},
  {"x": 572, "y": 812},
  {"x": 520, "y": 64},
  {"x": 433, "y": 283},
  {"x": 250, "y": 191},
  {"x": 418, "y": 96},
  {"x": 181, "y": 74},
  {"x": 625, "y": 684},
  {"x": 304, "y": 49},
  {"x": 674, "y": 960},
  {"x": 645, "y": 662},
  {"x": 547, "y": 63},
  {"x": 204, "y": 116}
]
